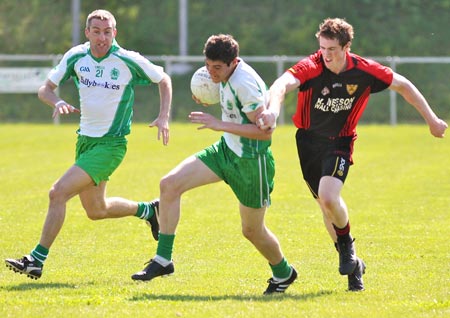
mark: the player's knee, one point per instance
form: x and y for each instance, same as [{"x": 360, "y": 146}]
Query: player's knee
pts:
[
  {"x": 168, "y": 185},
  {"x": 96, "y": 214},
  {"x": 56, "y": 194},
  {"x": 95, "y": 211},
  {"x": 250, "y": 233},
  {"x": 328, "y": 202}
]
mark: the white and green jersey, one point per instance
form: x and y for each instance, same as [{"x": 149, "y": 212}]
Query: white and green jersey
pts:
[
  {"x": 244, "y": 92},
  {"x": 105, "y": 86}
]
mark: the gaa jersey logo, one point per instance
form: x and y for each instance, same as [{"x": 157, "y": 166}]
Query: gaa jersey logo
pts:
[
  {"x": 351, "y": 88},
  {"x": 115, "y": 74}
]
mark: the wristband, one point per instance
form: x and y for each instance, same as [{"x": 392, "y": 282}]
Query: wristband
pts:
[{"x": 59, "y": 103}]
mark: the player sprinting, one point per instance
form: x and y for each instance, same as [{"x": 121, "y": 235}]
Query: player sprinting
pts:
[
  {"x": 334, "y": 86},
  {"x": 242, "y": 158},
  {"x": 104, "y": 74}
]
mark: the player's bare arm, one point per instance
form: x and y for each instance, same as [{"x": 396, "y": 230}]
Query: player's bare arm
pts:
[
  {"x": 413, "y": 96},
  {"x": 162, "y": 122},
  {"x": 245, "y": 130},
  {"x": 284, "y": 84},
  {"x": 46, "y": 93}
]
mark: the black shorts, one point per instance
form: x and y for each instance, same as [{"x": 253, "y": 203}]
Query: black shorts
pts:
[{"x": 321, "y": 156}]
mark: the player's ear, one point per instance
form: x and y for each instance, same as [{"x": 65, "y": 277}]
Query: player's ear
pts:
[{"x": 347, "y": 46}]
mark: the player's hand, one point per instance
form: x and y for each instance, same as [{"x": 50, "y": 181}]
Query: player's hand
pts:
[
  {"x": 267, "y": 120},
  {"x": 438, "y": 127},
  {"x": 206, "y": 120},
  {"x": 163, "y": 129},
  {"x": 63, "y": 108}
]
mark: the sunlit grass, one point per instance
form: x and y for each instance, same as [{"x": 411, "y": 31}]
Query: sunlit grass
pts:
[{"x": 398, "y": 193}]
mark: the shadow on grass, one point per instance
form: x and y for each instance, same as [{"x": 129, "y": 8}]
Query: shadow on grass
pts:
[
  {"x": 32, "y": 286},
  {"x": 259, "y": 298}
]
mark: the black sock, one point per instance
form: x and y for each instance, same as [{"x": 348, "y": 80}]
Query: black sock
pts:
[{"x": 344, "y": 233}]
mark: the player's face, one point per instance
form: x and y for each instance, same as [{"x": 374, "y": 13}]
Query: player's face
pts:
[
  {"x": 220, "y": 71},
  {"x": 333, "y": 54},
  {"x": 100, "y": 34}
]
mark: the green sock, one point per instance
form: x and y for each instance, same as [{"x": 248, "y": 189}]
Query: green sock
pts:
[
  {"x": 145, "y": 211},
  {"x": 39, "y": 254},
  {"x": 165, "y": 246},
  {"x": 281, "y": 270}
]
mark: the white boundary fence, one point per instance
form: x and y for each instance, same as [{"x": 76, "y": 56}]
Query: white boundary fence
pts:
[{"x": 175, "y": 64}]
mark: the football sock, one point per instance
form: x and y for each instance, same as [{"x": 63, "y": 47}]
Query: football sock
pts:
[
  {"x": 165, "y": 246},
  {"x": 344, "y": 233},
  {"x": 144, "y": 211},
  {"x": 39, "y": 254},
  {"x": 161, "y": 260},
  {"x": 282, "y": 270}
]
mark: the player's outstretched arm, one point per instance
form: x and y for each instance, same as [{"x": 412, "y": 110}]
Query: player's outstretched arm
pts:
[
  {"x": 282, "y": 85},
  {"x": 249, "y": 130},
  {"x": 413, "y": 96},
  {"x": 162, "y": 122}
]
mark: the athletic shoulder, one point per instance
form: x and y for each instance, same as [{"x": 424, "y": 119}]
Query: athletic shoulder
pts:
[
  {"x": 140, "y": 65},
  {"x": 246, "y": 77},
  {"x": 373, "y": 68},
  {"x": 308, "y": 67},
  {"x": 81, "y": 49},
  {"x": 250, "y": 88},
  {"x": 129, "y": 54}
]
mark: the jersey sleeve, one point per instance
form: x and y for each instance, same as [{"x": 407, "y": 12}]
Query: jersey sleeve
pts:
[
  {"x": 307, "y": 68},
  {"x": 382, "y": 75},
  {"x": 252, "y": 94},
  {"x": 144, "y": 71},
  {"x": 65, "y": 69}
]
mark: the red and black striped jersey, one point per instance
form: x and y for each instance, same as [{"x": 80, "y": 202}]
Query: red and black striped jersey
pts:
[{"x": 331, "y": 104}]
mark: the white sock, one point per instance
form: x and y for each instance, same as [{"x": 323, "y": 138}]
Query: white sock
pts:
[
  {"x": 161, "y": 260},
  {"x": 281, "y": 280}
]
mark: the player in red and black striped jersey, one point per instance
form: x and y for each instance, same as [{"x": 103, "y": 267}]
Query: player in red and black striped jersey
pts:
[{"x": 334, "y": 86}]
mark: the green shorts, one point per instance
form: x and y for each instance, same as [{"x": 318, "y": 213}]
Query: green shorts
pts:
[
  {"x": 99, "y": 157},
  {"x": 251, "y": 179}
]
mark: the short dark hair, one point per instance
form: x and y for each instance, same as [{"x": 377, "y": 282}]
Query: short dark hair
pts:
[
  {"x": 336, "y": 29},
  {"x": 221, "y": 47}
]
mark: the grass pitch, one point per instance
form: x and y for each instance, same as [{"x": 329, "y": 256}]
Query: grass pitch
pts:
[{"x": 398, "y": 193}]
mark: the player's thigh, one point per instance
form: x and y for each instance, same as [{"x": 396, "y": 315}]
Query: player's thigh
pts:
[
  {"x": 330, "y": 189},
  {"x": 93, "y": 198},
  {"x": 190, "y": 173},
  {"x": 74, "y": 181}
]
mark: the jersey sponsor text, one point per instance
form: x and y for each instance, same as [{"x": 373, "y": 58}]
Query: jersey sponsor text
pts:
[{"x": 334, "y": 105}]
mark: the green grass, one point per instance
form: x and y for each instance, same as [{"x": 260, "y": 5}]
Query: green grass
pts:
[{"x": 398, "y": 193}]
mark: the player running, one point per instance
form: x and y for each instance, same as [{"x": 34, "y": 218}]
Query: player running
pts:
[
  {"x": 242, "y": 158},
  {"x": 334, "y": 86},
  {"x": 104, "y": 74}
]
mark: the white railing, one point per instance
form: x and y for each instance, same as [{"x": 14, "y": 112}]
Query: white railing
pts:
[{"x": 176, "y": 64}]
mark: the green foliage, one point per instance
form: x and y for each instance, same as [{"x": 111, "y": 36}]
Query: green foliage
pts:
[
  {"x": 397, "y": 193},
  {"x": 262, "y": 27}
]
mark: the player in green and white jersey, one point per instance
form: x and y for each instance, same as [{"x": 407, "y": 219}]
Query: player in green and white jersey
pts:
[
  {"x": 242, "y": 158},
  {"x": 105, "y": 75}
]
